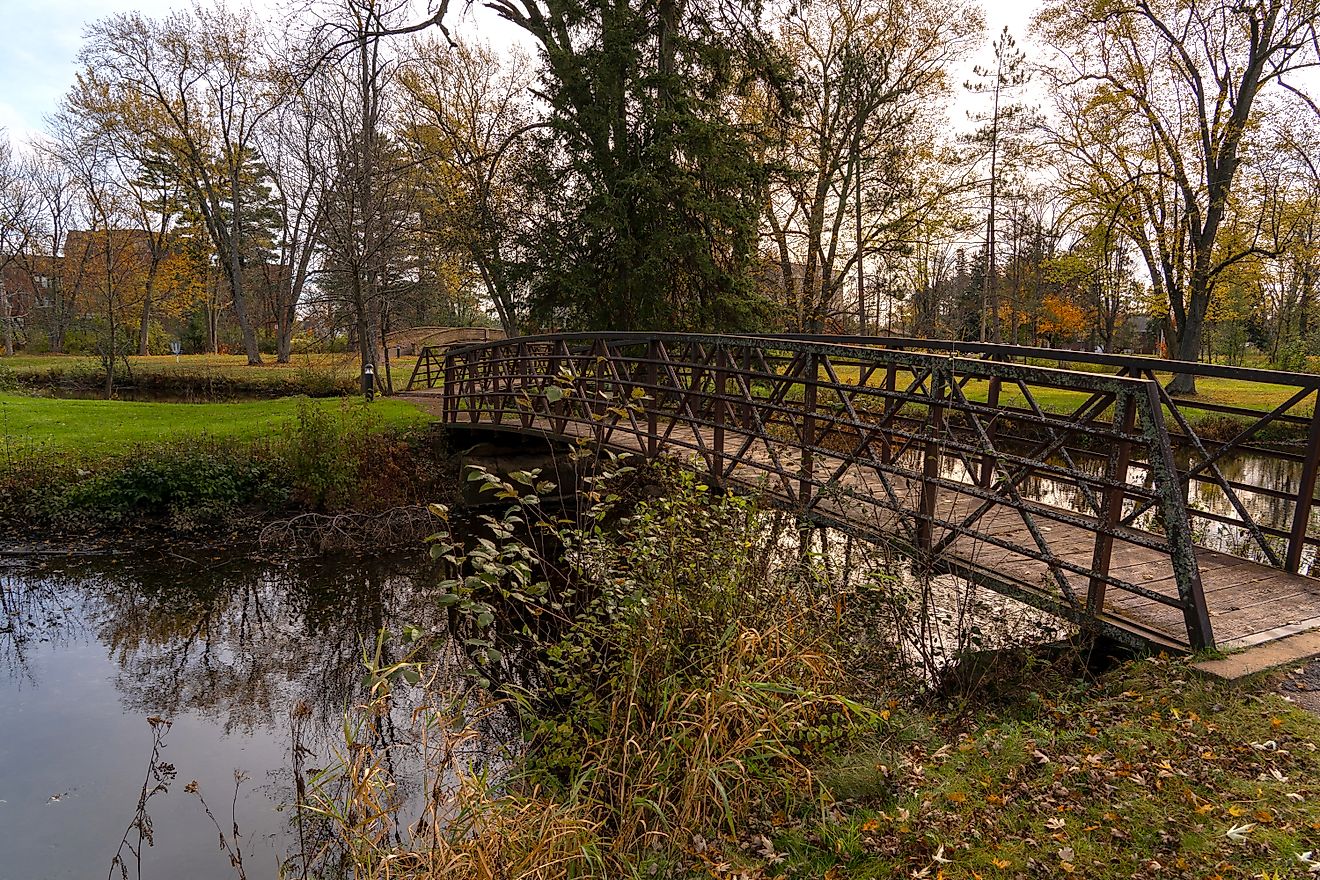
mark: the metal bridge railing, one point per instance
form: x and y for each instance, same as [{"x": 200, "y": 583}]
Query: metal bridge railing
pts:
[
  {"x": 1248, "y": 467},
  {"x": 921, "y": 447}
]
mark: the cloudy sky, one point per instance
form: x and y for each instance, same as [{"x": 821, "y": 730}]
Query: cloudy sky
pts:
[{"x": 42, "y": 39}]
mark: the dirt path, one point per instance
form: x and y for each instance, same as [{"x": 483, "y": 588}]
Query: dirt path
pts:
[{"x": 1301, "y": 686}]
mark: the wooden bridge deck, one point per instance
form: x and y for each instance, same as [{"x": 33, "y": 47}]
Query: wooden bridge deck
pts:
[{"x": 1249, "y": 603}]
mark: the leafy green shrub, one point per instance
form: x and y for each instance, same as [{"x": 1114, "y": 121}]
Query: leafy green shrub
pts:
[
  {"x": 1291, "y": 355},
  {"x": 327, "y": 450},
  {"x": 322, "y": 381},
  {"x": 80, "y": 340},
  {"x": 38, "y": 342},
  {"x": 187, "y": 482}
]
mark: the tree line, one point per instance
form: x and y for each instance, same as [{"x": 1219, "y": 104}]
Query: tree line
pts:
[{"x": 1147, "y": 179}]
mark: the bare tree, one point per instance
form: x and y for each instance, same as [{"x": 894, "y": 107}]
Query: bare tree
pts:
[
  {"x": 1183, "y": 81},
  {"x": 871, "y": 75},
  {"x": 198, "y": 82},
  {"x": 1004, "y": 120},
  {"x": 18, "y": 220},
  {"x": 105, "y": 259},
  {"x": 467, "y": 115},
  {"x": 369, "y": 214},
  {"x": 294, "y": 145}
]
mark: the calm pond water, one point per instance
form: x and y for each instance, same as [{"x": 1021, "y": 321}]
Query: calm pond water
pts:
[{"x": 89, "y": 650}]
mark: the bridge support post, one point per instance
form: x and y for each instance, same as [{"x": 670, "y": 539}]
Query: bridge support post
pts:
[
  {"x": 721, "y": 389},
  {"x": 930, "y": 465},
  {"x": 1305, "y": 492},
  {"x": 1111, "y": 507},
  {"x": 1177, "y": 526},
  {"x": 806, "y": 475},
  {"x": 891, "y": 385}
]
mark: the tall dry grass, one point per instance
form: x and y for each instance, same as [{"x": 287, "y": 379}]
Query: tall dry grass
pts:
[{"x": 681, "y": 666}]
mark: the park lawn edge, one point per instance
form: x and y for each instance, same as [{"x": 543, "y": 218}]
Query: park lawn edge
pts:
[{"x": 92, "y": 429}]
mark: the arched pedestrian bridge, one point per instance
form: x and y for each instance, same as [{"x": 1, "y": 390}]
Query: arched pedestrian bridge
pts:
[{"x": 1069, "y": 481}]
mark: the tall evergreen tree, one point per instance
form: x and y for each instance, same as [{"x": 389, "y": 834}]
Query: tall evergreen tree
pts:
[{"x": 652, "y": 191}]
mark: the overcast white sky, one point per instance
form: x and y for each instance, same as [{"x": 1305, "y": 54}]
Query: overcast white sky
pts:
[{"x": 42, "y": 38}]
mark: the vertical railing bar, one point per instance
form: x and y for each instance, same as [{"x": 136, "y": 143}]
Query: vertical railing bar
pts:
[
  {"x": 653, "y": 391},
  {"x": 988, "y": 461},
  {"x": 1305, "y": 491},
  {"x": 1111, "y": 508},
  {"x": 891, "y": 404},
  {"x": 930, "y": 465},
  {"x": 1177, "y": 527},
  {"x": 806, "y": 491},
  {"x": 721, "y": 387}
]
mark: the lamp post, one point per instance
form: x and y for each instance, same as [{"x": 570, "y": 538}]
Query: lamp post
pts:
[{"x": 369, "y": 381}]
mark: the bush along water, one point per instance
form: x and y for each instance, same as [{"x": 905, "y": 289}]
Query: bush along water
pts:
[
  {"x": 327, "y": 461},
  {"x": 665, "y": 673}
]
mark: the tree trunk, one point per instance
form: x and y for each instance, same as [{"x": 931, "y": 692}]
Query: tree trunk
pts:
[
  {"x": 284, "y": 333},
  {"x": 144, "y": 331},
  {"x": 1188, "y": 336},
  {"x": 244, "y": 321},
  {"x": 7, "y": 318}
]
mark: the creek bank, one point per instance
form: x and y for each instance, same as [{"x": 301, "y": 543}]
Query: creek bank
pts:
[
  {"x": 370, "y": 480},
  {"x": 702, "y": 695},
  {"x": 80, "y": 381}
]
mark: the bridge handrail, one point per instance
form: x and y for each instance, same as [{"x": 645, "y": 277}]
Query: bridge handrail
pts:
[
  {"x": 1120, "y": 361},
  {"x": 1273, "y": 514},
  {"x": 700, "y": 392},
  {"x": 1293, "y": 528}
]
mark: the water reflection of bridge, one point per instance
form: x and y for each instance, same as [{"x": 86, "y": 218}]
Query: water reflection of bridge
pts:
[{"x": 1085, "y": 491}]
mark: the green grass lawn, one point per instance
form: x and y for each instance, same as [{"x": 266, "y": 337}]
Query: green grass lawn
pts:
[
  {"x": 1256, "y": 396},
  {"x": 98, "y": 427}
]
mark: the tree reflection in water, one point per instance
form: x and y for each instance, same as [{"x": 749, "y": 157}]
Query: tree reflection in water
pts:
[{"x": 269, "y": 654}]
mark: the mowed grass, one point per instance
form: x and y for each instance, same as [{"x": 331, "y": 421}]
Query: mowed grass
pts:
[
  {"x": 92, "y": 428},
  {"x": 1257, "y": 396},
  {"x": 302, "y": 369}
]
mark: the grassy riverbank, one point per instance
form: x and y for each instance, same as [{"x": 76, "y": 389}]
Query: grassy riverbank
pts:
[
  {"x": 92, "y": 469},
  {"x": 96, "y": 428},
  {"x": 1149, "y": 771},
  {"x": 697, "y": 699}
]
